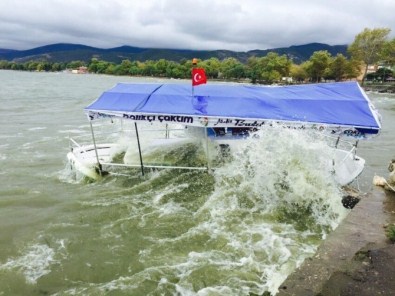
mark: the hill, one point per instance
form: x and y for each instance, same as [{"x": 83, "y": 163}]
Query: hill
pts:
[{"x": 64, "y": 52}]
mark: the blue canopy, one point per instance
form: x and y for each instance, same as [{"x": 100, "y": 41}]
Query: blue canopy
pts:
[{"x": 341, "y": 104}]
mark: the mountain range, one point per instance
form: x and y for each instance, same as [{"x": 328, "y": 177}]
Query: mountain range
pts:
[{"x": 64, "y": 52}]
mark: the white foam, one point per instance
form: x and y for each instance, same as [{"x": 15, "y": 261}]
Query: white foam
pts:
[
  {"x": 34, "y": 264},
  {"x": 38, "y": 128},
  {"x": 234, "y": 229}
]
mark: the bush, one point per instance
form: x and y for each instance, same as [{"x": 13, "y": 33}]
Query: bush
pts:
[{"x": 390, "y": 232}]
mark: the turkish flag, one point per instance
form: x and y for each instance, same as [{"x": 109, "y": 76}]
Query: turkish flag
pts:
[{"x": 198, "y": 76}]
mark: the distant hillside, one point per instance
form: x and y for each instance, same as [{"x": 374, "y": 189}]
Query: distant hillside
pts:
[
  {"x": 72, "y": 52},
  {"x": 3, "y": 51}
]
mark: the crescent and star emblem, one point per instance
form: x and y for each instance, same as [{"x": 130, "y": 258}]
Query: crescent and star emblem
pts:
[{"x": 197, "y": 77}]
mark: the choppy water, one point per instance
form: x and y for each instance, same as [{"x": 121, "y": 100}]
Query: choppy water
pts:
[{"x": 239, "y": 231}]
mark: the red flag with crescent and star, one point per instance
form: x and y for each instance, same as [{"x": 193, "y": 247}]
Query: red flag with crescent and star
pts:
[{"x": 198, "y": 76}]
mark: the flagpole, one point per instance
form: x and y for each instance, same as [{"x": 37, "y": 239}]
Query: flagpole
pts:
[{"x": 194, "y": 64}]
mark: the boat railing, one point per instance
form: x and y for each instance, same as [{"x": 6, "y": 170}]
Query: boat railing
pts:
[
  {"x": 340, "y": 144},
  {"x": 153, "y": 166},
  {"x": 105, "y": 136},
  {"x": 74, "y": 142},
  {"x": 109, "y": 135}
]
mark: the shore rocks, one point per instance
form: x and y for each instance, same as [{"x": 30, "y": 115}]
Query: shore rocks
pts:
[{"x": 387, "y": 184}]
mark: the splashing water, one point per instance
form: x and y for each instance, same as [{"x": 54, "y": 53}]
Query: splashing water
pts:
[{"x": 239, "y": 231}]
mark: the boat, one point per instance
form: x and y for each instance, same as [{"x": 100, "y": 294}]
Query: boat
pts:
[{"x": 227, "y": 114}]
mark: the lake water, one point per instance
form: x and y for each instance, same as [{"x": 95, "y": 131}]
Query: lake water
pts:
[{"x": 239, "y": 231}]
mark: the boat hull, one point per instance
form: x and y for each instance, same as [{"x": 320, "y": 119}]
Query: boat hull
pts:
[
  {"x": 84, "y": 160},
  {"x": 345, "y": 165}
]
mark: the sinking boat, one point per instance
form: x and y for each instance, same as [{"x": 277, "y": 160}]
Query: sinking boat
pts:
[{"x": 226, "y": 114}]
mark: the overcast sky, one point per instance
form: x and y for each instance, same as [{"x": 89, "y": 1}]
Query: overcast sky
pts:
[{"x": 239, "y": 25}]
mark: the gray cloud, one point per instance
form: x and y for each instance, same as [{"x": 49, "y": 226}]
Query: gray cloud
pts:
[{"x": 189, "y": 24}]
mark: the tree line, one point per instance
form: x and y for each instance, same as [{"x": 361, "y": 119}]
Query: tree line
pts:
[{"x": 369, "y": 47}]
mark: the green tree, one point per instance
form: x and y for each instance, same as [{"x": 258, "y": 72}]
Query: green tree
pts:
[
  {"x": 32, "y": 66},
  {"x": 388, "y": 54},
  {"x": 232, "y": 68},
  {"x": 56, "y": 67},
  {"x": 338, "y": 67},
  {"x": 4, "y": 64},
  {"x": 298, "y": 73},
  {"x": 93, "y": 65},
  {"x": 353, "y": 69},
  {"x": 161, "y": 67},
  {"x": 134, "y": 69},
  {"x": 212, "y": 67},
  {"x": 253, "y": 70},
  {"x": 368, "y": 47},
  {"x": 101, "y": 67},
  {"x": 124, "y": 68},
  {"x": 149, "y": 68},
  {"x": 318, "y": 65},
  {"x": 274, "y": 67},
  {"x": 75, "y": 64},
  {"x": 111, "y": 69}
]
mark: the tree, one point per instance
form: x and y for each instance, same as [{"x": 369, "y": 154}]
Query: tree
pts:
[
  {"x": 298, "y": 73},
  {"x": 124, "y": 68},
  {"x": 274, "y": 67},
  {"x": 338, "y": 67},
  {"x": 232, "y": 68},
  {"x": 161, "y": 67},
  {"x": 381, "y": 74},
  {"x": 388, "y": 53},
  {"x": 253, "y": 69},
  {"x": 352, "y": 69},
  {"x": 75, "y": 64},
  {"x": 368, "y": 47},
  {"x": 56, "y": 67},
  {"x": 318, "y": 65},
  {"x": 212, "y": 67}
]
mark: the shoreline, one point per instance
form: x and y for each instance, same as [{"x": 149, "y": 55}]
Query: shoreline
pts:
[
  {"x": 356, "y": 258},
  {"x": 381, "y": 88}
]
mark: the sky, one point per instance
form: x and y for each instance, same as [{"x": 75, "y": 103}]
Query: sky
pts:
[{"x": 239, "y": 25}]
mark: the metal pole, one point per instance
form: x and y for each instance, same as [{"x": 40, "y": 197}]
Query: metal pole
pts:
[
  {"x": 207, "y": 152},
  {"x": 356, "y": 146},
  {"x": 138, "y": 143},
  {"x": 94, "y": 145},
  {"x": 337, "y": 143}
]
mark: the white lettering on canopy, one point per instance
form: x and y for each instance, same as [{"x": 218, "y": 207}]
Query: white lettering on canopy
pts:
[{"x": 234, "y": 122}]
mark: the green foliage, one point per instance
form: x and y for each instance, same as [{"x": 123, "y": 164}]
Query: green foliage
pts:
[
  {"x": 274, "y": 67},
  {"x": 388, "y": 53},
  {"x": 298, "y": 73},
  {"x": 381, "y": 74},
  {"x": 318, "y": 67},
  {"x": 352, "y": 69},
  {"x": 232, "y": 68},
  {"x": 338, "y": 67},
  {"x": 390, "y": 232},
  {"x": 370, "y": 47}
]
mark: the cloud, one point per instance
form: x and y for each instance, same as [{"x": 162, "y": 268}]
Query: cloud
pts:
[{"x": 189, "y": 24}]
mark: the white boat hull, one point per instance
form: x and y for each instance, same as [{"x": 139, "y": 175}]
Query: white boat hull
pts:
[
  {"x": 345, "y": 165},
  {"x": 84, "y": 159}
]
